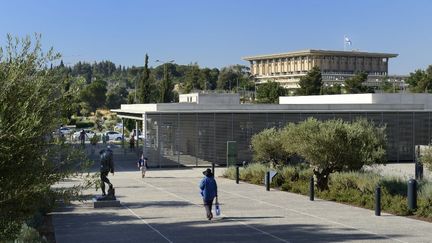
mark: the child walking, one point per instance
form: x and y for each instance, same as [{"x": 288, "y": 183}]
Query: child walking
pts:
[{"x": 142, "y": 165}]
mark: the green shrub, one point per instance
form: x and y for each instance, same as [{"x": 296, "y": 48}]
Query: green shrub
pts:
[
  {"x": 84, "y": 124},
  {"x": 395, "y": 204},
  {"x": 395, "y": 186},
  {"x": 424, "y": 203},
  {"x": 254, "y": 173},
  {"x": 29, "y": 234},
  {"x": 95, "y": 139},
  {"x": 363, "y": 182},
  {"x": 72, "y": 121},
  {"x": 230, "y": 173},
  {"x": 355, "y": 188}
]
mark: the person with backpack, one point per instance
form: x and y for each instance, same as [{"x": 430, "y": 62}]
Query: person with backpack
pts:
[
  {"x": 106, "y": 166},
  {"x": 142, "y": 165},
  {"x": 208, "y": 188}
]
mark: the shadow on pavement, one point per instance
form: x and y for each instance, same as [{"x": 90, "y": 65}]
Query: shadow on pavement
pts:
[
  {"x": 158, "y": 204},
  {"x": 100, "y": 227}
]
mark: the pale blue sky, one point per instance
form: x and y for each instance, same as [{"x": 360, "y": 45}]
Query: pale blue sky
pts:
[{"x": 219, "y": 33}]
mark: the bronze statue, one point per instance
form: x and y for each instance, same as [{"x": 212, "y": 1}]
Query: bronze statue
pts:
[{"x": 106, "y": 166}]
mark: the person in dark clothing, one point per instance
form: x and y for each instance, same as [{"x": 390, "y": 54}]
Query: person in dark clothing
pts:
[
  {"x": 107, "y": 165},
  {"x": 208, "y": 188},
  {"x": 82, "y": 137},
  {"x": 132, "y": 142}
]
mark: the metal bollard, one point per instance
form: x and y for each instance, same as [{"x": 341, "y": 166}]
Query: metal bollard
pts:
[
  {"x": 267, "y": 180},
  {"x": 378, "y": 201},
  {"x": 237, "y": 174},
  {"x": 213, "y": 168},
  {"x": 418, "y": 171},
  {"x": 311, "y": 189},
  {"x": 412, "y": 194}
]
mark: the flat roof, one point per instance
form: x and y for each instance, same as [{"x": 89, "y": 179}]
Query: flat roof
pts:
[
  {"x": 345, "y": 103},
  {"x": 321, "y": 53},
  {"x": 263, "y": 108}
]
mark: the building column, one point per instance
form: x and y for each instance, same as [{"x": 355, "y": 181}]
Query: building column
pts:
[
  {"x": 123, "y": 136},
  {"x": 144, "y": 132},
  {"x": 137, "y": 133}
]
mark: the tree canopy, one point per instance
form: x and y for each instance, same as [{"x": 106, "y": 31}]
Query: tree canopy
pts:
[
  {"x": 420, "y": 81},
  {"x": 143, "y": 88},
  {"x": 327, "y": 146},
  {"x": 355, "y": 85},
  {"x": 269, "y": 92},
  {"x": 32, "y": 99},
  {"x": 311, "y": 84}
]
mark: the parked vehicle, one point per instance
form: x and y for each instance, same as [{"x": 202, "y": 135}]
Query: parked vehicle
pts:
[
  {"x": 112, "y": 135},
  {"x": 65, "y": 130},
  {"x": 89, "y": 134}
]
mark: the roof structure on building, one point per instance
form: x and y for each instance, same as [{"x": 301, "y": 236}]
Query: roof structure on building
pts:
[
  {"x": 321, "y": 103},
  {"x": 321, "y": 53}
]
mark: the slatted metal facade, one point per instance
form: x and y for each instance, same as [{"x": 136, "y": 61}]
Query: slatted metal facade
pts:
[{"x": 199, "y": 138}]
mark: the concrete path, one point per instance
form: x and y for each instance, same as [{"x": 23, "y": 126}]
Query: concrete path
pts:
[{"x": 166, "y": 207}]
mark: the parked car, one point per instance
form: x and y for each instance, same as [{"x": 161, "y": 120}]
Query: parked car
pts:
[
  {"x": 65, "y": 130},
  {"x": 89, "y": 134},
  {"x": 112, "y": 135}
]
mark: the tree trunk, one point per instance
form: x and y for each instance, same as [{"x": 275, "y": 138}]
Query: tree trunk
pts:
[{"x": 322, "y": 179}]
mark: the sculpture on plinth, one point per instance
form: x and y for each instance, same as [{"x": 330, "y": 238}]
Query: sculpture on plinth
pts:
[{"x": 106, "y": 166}]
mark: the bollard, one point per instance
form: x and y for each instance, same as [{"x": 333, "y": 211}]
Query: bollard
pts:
[
  {"x": 378, "y": 201},
  {"x": 237, "y": 174},
  {"x": 311, "y": 189},
  {"x": 213, "y": 168},
  {"x": 418, "y": 171},
  {"x": 412, "y": 194},
  {"x": 267, "y": 180}
]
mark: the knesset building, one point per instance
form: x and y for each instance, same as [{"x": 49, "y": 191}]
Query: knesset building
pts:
[
  {"x": 336, "y": 66},
  {"x": 195, "y": 131}
]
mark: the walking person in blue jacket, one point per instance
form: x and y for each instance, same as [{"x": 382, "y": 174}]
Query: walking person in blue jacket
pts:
[{"x": 208, "y": 188}]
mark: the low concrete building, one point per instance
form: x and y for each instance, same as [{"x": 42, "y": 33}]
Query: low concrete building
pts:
[{"x": 196, "y": 133}]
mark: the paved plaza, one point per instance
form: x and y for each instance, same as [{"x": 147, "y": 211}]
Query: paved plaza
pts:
[{"x": 166, "y": 207}]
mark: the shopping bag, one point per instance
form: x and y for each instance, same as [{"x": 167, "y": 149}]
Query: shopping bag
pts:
[{"x": 217, "y": 208}]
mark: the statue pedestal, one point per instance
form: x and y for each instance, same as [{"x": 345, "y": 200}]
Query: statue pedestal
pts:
[{"x": 105, "y": 203}]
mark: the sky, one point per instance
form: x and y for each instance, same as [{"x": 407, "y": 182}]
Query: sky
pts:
[{"x": 219, "y": 33}]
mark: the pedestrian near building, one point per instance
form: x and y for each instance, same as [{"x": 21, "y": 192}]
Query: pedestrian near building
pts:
[
  {"x": 208, "y": 188},
  {"x": 132, "y": 142},
  {"x": 82, "y": 136},
  {"x": 142, "y": 165}
]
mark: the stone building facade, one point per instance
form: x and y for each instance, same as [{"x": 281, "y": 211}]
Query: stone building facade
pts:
[{"x": 335, "y": 66}]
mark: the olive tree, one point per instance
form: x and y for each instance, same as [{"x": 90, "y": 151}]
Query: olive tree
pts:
[
  {"x": 32, "y": 101},
  {"x": 268, "y": 147},
  {"x": 334, "y": 145}
]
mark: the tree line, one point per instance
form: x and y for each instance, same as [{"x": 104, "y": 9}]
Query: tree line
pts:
[
  {"x": 107, "y": 85},
  {"x": 419, "y": 81}
]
